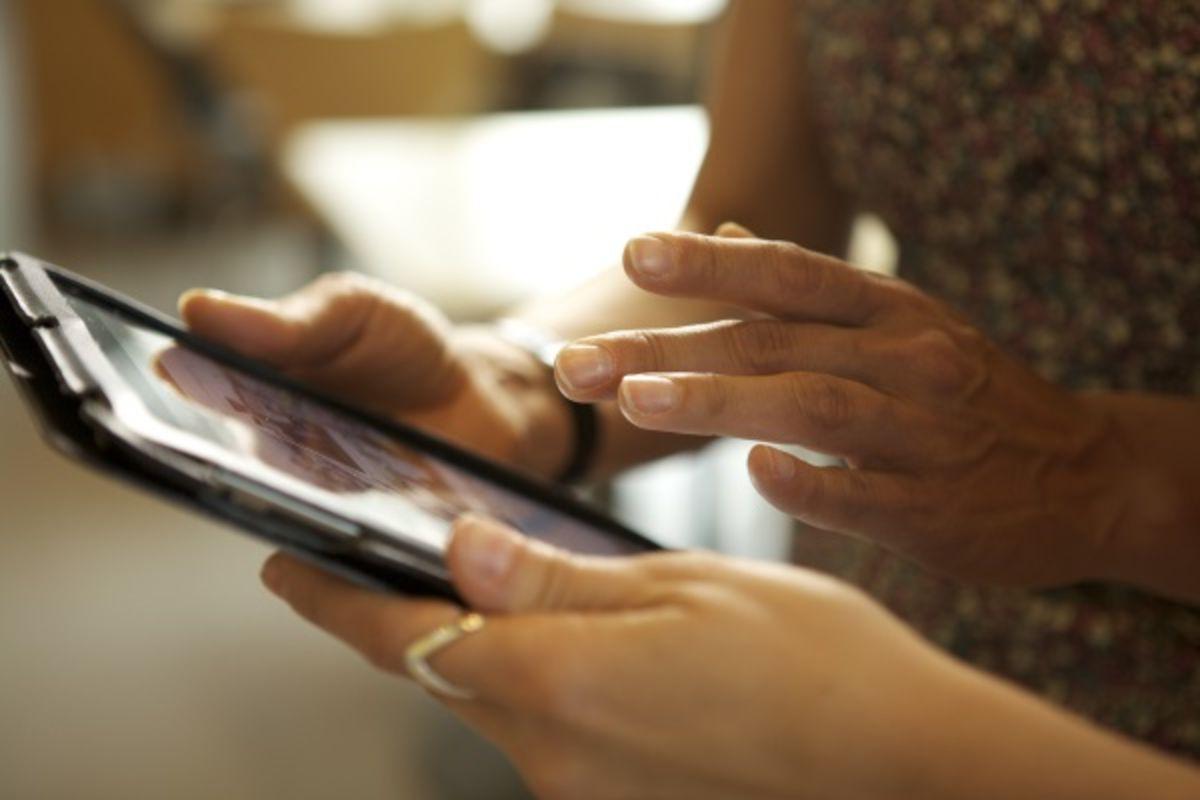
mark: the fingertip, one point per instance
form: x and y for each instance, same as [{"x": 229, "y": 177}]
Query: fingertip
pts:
[
  {"x": 273, "y": 572},
  {"x": 246, "y": 324},
  {"x": 583, "y": 370},
  {"x": 650, "y": 258},
  {"x": 481, "y": 554},
  {"x": 188, "y": 298},
  {"x": 770, "y": 468},
  {"x": 197, "y": 306}
]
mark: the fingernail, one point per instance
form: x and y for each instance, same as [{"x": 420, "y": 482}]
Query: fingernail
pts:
[
  {"x": 190, "y": 295},
  {"x": 651, "y": 257},
  {"x": 584, "y": 366},
  {"x": 212, "y": 295},
  {"x": 781, "y": 465},
  {"x": 272, "y": 574},
  {"x": 486, "y": 550},
  {"x": 650, "y": 394}
]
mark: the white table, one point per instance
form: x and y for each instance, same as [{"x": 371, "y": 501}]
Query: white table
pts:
[{"x": 481, "y": 212}]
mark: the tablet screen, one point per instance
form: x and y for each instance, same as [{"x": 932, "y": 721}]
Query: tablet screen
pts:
[{"x": 346, "y": 465}]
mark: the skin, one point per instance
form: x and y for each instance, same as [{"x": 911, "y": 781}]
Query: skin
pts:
[
  {"x": 963, "y": 460},
  {"x": 957, "y": 456},
  {"x": 588, "y": 668},
  {"x": 670, "y": 676}
]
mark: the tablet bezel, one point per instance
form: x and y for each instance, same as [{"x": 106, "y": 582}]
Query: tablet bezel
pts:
[{"x": 42, "y": 340}]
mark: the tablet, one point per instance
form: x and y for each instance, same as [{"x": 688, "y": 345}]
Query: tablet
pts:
[{"x": 129, "y": 391}]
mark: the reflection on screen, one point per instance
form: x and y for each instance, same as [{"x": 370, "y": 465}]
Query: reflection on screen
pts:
[{"x": 358, "y": 471}]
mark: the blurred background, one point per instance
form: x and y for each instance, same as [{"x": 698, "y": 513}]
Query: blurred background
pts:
[{"x": 476, "y": 151}]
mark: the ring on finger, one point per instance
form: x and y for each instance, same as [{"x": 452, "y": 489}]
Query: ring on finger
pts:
[{"x": 417, "y": 655}]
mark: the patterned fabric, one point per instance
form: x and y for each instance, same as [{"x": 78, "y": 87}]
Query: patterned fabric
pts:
[{"x": 1039, "y": 163}]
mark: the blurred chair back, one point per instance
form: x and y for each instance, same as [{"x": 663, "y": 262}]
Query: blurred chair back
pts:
[
  {"x": 306, "y": 72},
  {"x": 110, "y": 150}
]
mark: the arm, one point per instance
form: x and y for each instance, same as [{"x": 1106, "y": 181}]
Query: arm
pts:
[
  {"x": 762, "y": 168},
  {"x": 389, "y": 351},
  {"x": 690, "y": 675},
  {"x": 996, "y": 741}
]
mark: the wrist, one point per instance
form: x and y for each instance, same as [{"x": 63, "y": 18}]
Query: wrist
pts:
[
  {"x": 517, "y": 382},
  {"x": 1148, "y": 475}
]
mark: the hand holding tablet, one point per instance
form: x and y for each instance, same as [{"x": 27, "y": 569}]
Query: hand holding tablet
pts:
[{"x": 362, "y": 495}]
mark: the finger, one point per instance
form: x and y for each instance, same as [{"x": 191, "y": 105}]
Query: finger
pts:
[
  {"x": 778, "y": 278},
  {"x": 381, "y": 627},
  {"x": 823, "y": 413},
  {"x": 532, "y": 663},
  {"x": 862, "y": 503},
  {"x": 378, "y": 625},
  {"x": 354, "y": 336},
  {"x": 591, "y": 369},
  {"x": 285, "y": 332},
  {"x": 497, "y": 569}
]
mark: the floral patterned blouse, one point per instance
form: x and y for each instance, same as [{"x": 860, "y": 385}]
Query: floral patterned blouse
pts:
[{"x": 1039, "y": 163}]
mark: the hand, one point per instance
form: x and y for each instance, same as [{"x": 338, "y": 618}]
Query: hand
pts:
[
  {"x": 957, "y": 456},
  {"x": 389, "y": 351},
  {"x": 691, "y": 676},
  {"x": 669, "y": 676}
]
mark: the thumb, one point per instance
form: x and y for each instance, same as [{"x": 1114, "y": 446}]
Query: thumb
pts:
[
  {"x": 355, "y": 337},
  {"x": 252, "y": 327},
  {"x": 497, "y": 569}
]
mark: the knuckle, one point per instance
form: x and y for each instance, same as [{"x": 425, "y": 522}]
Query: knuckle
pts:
[
  {"x": 823, "y": 401},
  {"x": 862, "y": 348},
  {"x": 349, "y": 295},
  {"x": 858, "y": 498},
  {"x": 701, "y": 261},
  {"x": 715, "y": 397},
  {"x": 380, "y": 648},
  {"x": 837, "y": 499},
  {"x": 941, "y": 361},
  {"x": 553, "y": 583},
  {"x": 762, "y": 346},
  {"x": 804, "y": 498},
  {"x": 909, "y": 297},
  {"x": 791, "y": 270},
  {"x": 643, "y": 351},
  {"x": 669, "y": 565}
]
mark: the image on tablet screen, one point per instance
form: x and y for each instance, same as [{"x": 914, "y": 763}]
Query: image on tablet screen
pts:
[{"x": 361, "y": 472}]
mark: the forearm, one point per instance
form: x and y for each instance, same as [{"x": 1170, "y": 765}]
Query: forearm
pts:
[
  {"x": 762, "y": 169},
  {"x": 1151, "y": 474},
  {"x": 986, "y": 739}
]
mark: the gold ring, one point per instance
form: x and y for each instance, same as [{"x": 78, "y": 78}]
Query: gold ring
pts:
[{"x": 416, "y": 657}]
